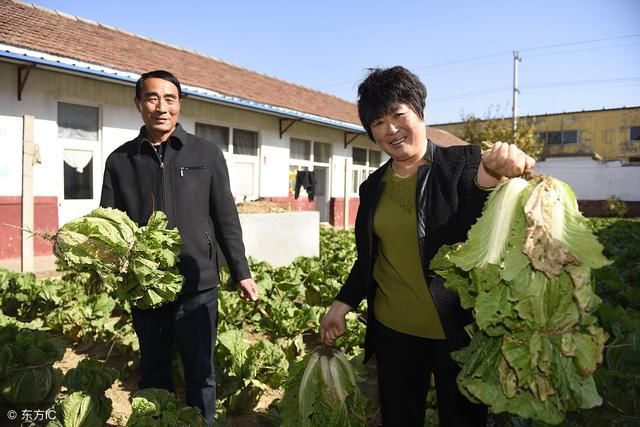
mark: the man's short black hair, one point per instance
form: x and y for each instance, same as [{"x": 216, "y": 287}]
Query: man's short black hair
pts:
[
  {"x": 384, "y": 88},
  {"x": 160, "y": 74}
]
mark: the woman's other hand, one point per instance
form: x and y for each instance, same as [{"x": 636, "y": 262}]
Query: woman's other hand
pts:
[
  {"x": 500, "y": 161},
  {"x": 333, "y": 324}
]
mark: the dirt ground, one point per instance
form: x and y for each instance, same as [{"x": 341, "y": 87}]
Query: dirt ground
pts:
[
  {"x": 259, "y": 206},
  {"x": 121, "y": 391}
]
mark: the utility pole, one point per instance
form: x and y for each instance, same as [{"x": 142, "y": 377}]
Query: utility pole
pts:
[{"x": 516, "y": 91}]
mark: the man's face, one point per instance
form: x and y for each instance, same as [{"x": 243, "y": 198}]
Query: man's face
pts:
[{"x": 159, "y": 106}]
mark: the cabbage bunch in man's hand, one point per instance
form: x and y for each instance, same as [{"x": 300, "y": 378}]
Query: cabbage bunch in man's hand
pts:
[
  {"x": 135, "y": 264},
  {"x": 525, "y": 271}
]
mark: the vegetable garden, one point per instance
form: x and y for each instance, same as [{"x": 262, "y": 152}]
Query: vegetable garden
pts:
[{"x": 264, "y": 348}]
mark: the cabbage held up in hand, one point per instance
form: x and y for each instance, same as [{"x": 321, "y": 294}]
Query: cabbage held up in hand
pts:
[
  {"x": 525, "y": 271},
  {"x": 134, "y": 264}
]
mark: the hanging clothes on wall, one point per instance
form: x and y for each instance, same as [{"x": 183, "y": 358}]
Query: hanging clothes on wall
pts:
[{"x": 306, "y": 179}]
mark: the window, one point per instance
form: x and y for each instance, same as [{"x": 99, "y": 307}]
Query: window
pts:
[
  {"x": 78, "y": 132},
  {"x": 321, "y": 152},
  {"x": 78, "y": 174},
  {"x": 240, "y": 149},
  {"x": 300, "y": 149},
  {"x": 219, "y": 135},
  {"x": 309, "y": 155},
  {"x": 559, "y": 137},
  {"x": 634, "y": 133},
  {"x": 359, "y": 156},
  {"x": 365, "y": 161},
  {"x": 245, "y": 142},
  {"x": 77, "y": 121}
]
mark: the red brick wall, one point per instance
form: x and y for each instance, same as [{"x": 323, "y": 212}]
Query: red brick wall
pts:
[
  {"x": 336, "y": 211},
  {"x": 599, "y": 208},
  {"x": 45, "y": 219}
]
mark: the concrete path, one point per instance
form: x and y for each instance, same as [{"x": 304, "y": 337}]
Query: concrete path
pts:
[{"x": 41, "y": 264}]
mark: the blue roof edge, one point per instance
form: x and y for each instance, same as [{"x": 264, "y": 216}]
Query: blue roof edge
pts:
[{"x": 98, "y": 71}]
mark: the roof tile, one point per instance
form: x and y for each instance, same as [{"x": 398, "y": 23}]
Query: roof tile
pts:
[{"x": 58, "y": 33}]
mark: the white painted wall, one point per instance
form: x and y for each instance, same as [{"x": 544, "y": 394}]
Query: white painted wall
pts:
[
  {"x": 10, "y": 161},
  {"x": 120, "y": 122},
  {"x": 280, "y": 238},
  {"x": 595, "y": 180}
]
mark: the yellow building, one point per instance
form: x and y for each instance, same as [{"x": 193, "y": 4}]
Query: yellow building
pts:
[{"x": 614, "y": 134}]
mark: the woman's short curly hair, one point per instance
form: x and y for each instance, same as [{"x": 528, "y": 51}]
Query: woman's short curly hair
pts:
[{"x": 384, "y": 88}]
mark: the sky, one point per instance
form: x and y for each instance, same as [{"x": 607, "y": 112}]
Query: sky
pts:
[{"x": 575, "y": 54}]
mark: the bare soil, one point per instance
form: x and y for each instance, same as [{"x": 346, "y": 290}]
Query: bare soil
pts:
[
  {"x": 260, "y": 206},
  {"x": 121, "y": 391}
]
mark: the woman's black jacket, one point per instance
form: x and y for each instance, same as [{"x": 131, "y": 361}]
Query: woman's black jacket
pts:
[{"x": 448, "y": 203}]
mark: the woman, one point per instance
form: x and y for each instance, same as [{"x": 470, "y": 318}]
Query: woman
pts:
[{"x": 424, "y": 197}]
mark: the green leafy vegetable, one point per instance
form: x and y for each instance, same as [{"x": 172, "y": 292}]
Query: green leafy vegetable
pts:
[
  {"x": 90, "y": 376},
  {"x": 322, "y": 391},
  {"x": 525, "y": 271},
  {"x": 28, "y": 379},
  {"x": 81, "y": 409},
  {"x": 152, "y": 407},
  {"x": 135, "y": 264}
]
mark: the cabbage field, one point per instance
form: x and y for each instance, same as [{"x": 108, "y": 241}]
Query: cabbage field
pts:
[{"x": 47, "y": 325}]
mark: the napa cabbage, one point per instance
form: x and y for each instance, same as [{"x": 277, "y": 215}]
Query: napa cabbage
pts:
[
  {"x": 322, "y": 391},
  {"x": 525, "y": 272},
  {"x": 135, "y": 264}
]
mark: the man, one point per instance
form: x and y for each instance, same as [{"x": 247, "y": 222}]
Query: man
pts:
[{"x": 165, "y": 168}]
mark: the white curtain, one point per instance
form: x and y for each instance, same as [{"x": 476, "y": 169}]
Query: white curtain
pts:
[{"x": 77, "y": 159}]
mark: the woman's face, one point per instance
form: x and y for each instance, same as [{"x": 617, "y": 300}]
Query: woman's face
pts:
[{"x": 401, "y": 134}]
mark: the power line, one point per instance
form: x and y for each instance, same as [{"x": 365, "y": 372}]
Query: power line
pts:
[
  {"x": 631, "y": 81},
  {"x": 582, "y": 50},
  {"x": 493, "y": 55},
  {"x": 582, "y": 83},
  {"x": 549, "y": 46}
]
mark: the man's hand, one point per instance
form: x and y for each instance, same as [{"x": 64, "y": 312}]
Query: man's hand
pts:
[
  {"x": 333, "y": 324},
  {"x": 502, "y": 160},
  {"x": 248, "y": 290}
]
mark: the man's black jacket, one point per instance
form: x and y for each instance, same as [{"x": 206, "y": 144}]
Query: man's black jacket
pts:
[
  {"x": 448, "y": 202},
  {"x": 191, "y": 185}
]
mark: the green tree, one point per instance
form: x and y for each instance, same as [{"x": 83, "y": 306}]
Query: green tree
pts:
[{"x": 492, "y": 129}]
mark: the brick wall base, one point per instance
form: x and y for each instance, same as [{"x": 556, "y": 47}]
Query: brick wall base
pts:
[
  {"x": 45, "y": 219},
  {"x": 599, "y": 208},
  {"x": 336, "y": 211}
]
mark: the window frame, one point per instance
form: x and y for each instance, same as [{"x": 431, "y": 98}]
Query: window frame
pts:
[
  {"x": 308, "y": 164},
  {"x": 228, "y": 128},
  {"x": 82, "y": 144},
  {"x": 359, "y": 173},
  {"x": 230, "y": 151},
  {"x": 545, "y": 136}
]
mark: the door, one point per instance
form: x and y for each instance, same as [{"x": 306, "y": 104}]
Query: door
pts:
[{"x": 321, "y": 196}]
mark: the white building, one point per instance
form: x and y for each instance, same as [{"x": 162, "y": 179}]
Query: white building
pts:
[{"x": 66, "y": 102}]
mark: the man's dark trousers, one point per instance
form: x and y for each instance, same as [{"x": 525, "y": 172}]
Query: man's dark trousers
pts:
[{"x": 190, "y": 322}]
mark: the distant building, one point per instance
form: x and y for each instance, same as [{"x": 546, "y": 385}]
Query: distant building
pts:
[
  {"x": 596, "y": 152},
  {"x": 607, "y": 134}
]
